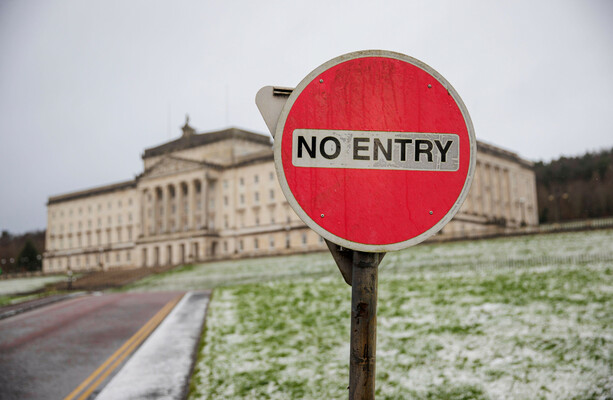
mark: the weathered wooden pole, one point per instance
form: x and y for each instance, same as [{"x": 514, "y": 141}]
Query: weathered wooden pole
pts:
[{"x": 362, "y": 356}]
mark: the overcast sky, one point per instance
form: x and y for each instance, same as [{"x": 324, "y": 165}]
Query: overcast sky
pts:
[{"x": 85, "y": 86}]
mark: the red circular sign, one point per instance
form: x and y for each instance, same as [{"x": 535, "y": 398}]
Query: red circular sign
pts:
[{"x": 375, "y": 151}]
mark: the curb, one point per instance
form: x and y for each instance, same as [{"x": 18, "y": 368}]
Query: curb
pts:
[
  {"x": 15, "y": 309},
  {"x": 162, "y": 366}
]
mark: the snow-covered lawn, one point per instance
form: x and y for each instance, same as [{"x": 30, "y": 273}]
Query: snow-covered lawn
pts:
[
  {"x": 22, "y": 285},
  {"x": 517, "y": 318}
]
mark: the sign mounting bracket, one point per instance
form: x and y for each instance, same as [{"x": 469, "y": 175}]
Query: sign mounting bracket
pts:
[{"x": 344, "y": 259}]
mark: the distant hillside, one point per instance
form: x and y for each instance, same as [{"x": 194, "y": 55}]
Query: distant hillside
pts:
[
  {"x": 576, "y": 187},
  {"x": 11, "y": 245}
]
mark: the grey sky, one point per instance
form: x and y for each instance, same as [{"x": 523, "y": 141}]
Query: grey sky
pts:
[{"x": 85, "y": 86}]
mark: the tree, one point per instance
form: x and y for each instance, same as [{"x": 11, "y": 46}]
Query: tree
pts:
[
  {"x": 575, "y": 187},
  {"x": 29, "y": 257}
]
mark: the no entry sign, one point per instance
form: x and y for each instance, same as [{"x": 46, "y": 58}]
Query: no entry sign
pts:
[{"x": 375, "y": 151}]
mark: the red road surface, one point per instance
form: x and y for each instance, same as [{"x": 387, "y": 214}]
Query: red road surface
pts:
[{"x": 48, "y": 352}]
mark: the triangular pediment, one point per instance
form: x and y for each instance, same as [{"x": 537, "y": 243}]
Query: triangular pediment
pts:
[{"x": 170, "y": 165}]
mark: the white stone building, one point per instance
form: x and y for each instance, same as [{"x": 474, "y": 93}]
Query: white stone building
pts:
[{"x": 215, "y": 195}]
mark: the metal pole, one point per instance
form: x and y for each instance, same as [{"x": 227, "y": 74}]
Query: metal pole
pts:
[{"x": 362, "y": 359}]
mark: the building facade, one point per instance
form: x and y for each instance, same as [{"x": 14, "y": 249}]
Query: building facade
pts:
[{"x": 215, "y": 195}]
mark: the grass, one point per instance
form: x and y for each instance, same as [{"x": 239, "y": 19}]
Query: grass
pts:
[
  {"x": 510, "y": 318},
  {"x": 17, "y": 290}
]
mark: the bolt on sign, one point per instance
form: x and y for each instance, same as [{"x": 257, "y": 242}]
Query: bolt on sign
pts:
[{"x": 375, "y": 151}]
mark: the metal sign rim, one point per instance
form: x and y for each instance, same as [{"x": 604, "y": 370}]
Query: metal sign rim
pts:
[{"x": 373, "y": 248}]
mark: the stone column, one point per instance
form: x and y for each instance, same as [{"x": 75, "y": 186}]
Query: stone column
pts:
[
  {"x": 489, "y": 206},
  {"x": 514, "y": 198},
  {"x": 143, "y": 213},
  {"x": 204, "y": 191},
  {"x": 481, "y": 189},
  {"x": 191, "y": 208},
  {"x": 506, "y": 195},
  {"x": 155, "y": 212},
  {"x": 167, "y": 208},
  {"x": 179, "y": 202}
]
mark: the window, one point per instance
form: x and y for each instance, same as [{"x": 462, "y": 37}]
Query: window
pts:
[
  {"x": 225, "y": 200},
  {"x": 118, "y": 256},
  {"x": 241, "y": 181},
  {"x": 240, "y": 245},
  {"x": 256, "y": 196},
  {"x": 119, "y": 203},
  {"x": 109, "y": 220},
  {"x": 271, "y": 194},
  {"x": 304, "y": 238},
  {"x": 257, "y": 220},
  {"x": 80, "y": 211},
  {"x": 271, "y": 176},
  {"x": 256, "y": 243},
  {"x": 109, "y": 205},
  {"x": 129, "y": 203},
  {"x": 225, "y": 221},
  {"x": 271, "y": 242},
  {"x": 256, "y": 179},
  {"x": 242, "y": 199},
  {"x": 225, "y": 246},
  {"x": 119, "y": 219},
  {"x": 225, "y": 184},
  {"x": 128, "y": 256}
]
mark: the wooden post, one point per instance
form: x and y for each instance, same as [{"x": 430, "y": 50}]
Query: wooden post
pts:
[
  {"x": 362, "y": 358},
  {"x": 360, "y": 271}
]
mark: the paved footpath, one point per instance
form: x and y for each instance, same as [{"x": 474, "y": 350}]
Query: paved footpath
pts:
[{"x": 70, "y": 349}]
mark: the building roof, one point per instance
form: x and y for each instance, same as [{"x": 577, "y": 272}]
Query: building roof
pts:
[
  {"x": 502, "y": 153},
  {"x": 92, "y": 192},
  {"x": 263, "y": 155},
  {"x": 190, "y": 140}
]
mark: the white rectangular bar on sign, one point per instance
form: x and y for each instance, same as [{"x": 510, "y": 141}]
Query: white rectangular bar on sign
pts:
[{"x": 413, "y": 151}]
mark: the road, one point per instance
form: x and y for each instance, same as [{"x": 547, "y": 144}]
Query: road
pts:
[{"x": 48, "y": 352}]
